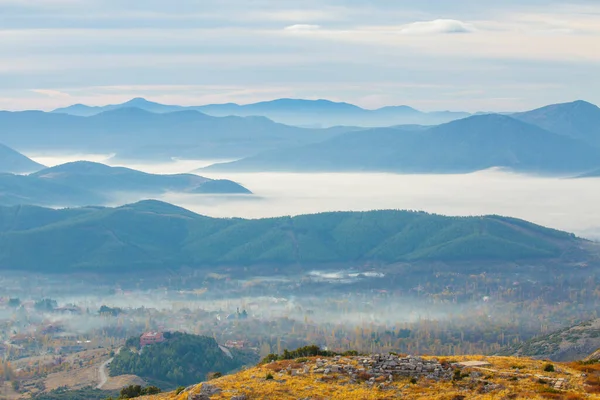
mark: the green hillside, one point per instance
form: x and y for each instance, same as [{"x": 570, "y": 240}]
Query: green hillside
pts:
[
  {"x": 182, "y": 359},
  {"x": 154, "y": 234}
]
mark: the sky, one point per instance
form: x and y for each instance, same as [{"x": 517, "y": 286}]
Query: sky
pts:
[{"x": 471, "y": 55}]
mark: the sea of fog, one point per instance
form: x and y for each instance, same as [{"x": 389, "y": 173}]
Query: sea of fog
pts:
[{"x": 566, "y": 204}]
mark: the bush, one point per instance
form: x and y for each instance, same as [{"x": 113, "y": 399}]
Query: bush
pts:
[
  {"x": 269, "y": 377},
  {"x": 133, "y": 391},
  {"x": 457, "y": 375},
  {"x": 413, "y": 380},
  {"x": 306, "y": 351},
  {"x": 179, "y": 390},
  {"x": 213, "y": 375},
  {"x": 150, "y": 390},
  {"x": 549, "y": 368}
]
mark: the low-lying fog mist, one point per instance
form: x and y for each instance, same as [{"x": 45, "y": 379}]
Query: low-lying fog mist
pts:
[{"x": 566, "y": 204}]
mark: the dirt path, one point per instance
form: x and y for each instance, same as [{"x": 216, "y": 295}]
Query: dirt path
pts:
[{"x": 103, "y": 373}]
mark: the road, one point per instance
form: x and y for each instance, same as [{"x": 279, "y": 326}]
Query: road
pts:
[{"x": 103, "y": 373}]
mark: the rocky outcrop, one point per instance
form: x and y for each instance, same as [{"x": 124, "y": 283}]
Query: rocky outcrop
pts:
[{"x": 389, "y": 366}]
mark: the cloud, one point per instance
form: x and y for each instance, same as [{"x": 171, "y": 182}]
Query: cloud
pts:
[
  {"x": 438, "y": 26},
  {"x": 56, "y": 94},
  {"x": 302, "y": 28}
]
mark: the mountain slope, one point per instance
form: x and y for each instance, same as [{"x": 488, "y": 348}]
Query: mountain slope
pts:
[
  {"x": 154, "y": 234},
  {"x": 86, "y": 183},
  {"x": 142, "y": 134},
  {"x": 579, "y": 120},
  {"x": 465, "y": 145},
  {"x": 12, "y": 161},
  {"x": 571, "y": 343}
]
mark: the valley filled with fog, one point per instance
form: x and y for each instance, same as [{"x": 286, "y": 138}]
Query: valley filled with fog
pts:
[{"x": 559, "y": 203}]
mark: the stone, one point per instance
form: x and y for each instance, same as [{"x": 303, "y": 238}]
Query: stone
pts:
[
  {"x": 209, "y": 389},
  {"x": 240, "y": 397},
  {"x": 198, "y": 396}
]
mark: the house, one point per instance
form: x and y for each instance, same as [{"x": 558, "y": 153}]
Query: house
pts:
[{"x": 151, "y": 338}]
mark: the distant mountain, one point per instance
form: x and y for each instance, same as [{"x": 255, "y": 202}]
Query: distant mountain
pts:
[
  {"x": 138, "y": 102},
  {"x": 296, "y": 112},
  {"x": 12, "y": 161},
  {"x": 134, "y": 132},
  {"x": 466, "y": 145},
  {"x": 87, "y": 183},
  {"x": 579, "y": 120},
  {"x": 152, "y": 234}
]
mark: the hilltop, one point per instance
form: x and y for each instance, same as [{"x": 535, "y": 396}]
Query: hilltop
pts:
[
  {"x": 578, "y": 119},
  {"x": 163, "y": 364},
  {"x": 353, "y": 377}
]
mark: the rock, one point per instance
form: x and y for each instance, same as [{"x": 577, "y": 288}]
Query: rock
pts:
[
  {"x": 198, "y": 396},
  {"x": 240, "y": 397},
  {"x": 209, "y": 389}
]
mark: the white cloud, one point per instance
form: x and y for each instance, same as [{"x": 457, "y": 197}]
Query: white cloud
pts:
[
  {"x": 56, "y": 94},
  {"x": 302, "y": 28},
  {"x": 438, "y": 26}
]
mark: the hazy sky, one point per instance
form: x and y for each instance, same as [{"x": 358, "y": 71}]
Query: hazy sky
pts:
[{"x": 431, "y": 54}]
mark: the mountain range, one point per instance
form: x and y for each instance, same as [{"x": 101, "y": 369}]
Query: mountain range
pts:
[
  {"x": 465, "y": 145},
  {"x": 297, "y": 112},
  {"x": 152, "y": 234},
  {"x": 561, "y": 139},
  {"x": 86, "y": 183},
  {"x": 135, "y": 133}
]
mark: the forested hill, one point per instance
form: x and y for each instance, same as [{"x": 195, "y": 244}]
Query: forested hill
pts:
[
  {"x": 155, "y": 234},
  {"x": 182, "y": 359}
]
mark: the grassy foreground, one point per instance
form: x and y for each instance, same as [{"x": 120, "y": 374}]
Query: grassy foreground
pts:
[{"x": 504, "y": 378}]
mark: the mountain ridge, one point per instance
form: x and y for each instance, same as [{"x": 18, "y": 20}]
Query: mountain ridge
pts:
[
  {"x": 292, "y": 111},
  {"x": 82, "y": 183},
  {"x": 155, "y": 234},
  {"x": 466, "y": 145}
]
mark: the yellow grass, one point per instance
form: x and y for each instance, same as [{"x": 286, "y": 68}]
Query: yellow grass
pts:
[{"x": 519, "y": 378}]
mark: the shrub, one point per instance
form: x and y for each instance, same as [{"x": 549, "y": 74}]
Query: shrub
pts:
[
  {"x": 413, "y": 380},
  {"x": 150, "y": 390},
  {"x": 549, "y": 368},
  {"x": 457, "y": 375},
  {"x": 269, "y": 377},
  {"x": 213, "y": 375},
  {"x": 179, "y": 390}
]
